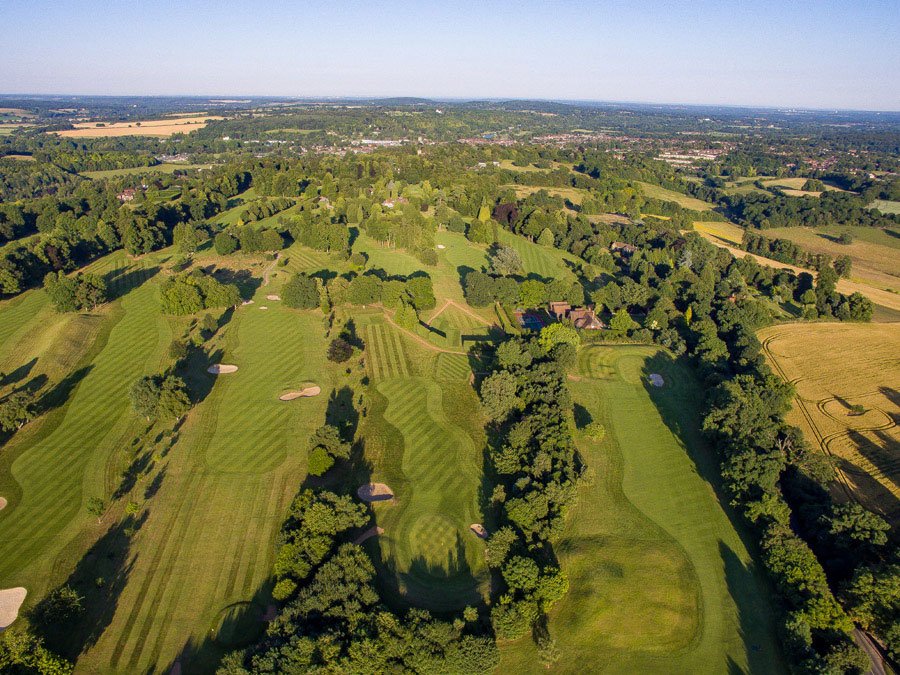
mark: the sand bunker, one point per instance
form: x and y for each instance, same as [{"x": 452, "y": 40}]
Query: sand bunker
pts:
[
  {"x": 221, "y": 369},
  {"x": 10, "y": 601},
  {"x": 264, "y": 307},
  {"x": 479, "y": 530},
  {"x": 291, "y": 395},
  {"x": 3, "y": 503},
  {"x": 656, "y": 380},
  {"x": 273, "y": 297},
  {"x": 373, "y": 531},
  {"x": 441, "y": 246},
  {"x": 374, "y": 492},
  {"x": 248, "y": 302}
]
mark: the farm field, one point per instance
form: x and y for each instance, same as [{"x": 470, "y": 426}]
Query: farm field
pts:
[
  {"x": 423, "y": 438},
  {"x": 875, "y": 253},
  {"x": 685, "y": 201},
  {"x": 726, "y": 231},
  {"x": 574, "y": 195},
  {"x": 229, "y": 469},
  {"x": 159, "y": 168},
  {"x": 660, "y": 579},
  {"x": 161, "y": 128},
  {"x": 860, "y": 367},
  {"x": 885, "y": 206}
]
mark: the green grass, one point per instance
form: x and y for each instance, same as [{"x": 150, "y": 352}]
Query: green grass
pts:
[
  {"x": 541, "y": 260},
  {"x": 685, "y": 201},
  {"x": 213, "y": 492},
  {"x": 159, "y": 168},
  {"x": 885, "y": 206},
  {"x": 416, "y": 437},
  {"x": 660, "y": 581}
]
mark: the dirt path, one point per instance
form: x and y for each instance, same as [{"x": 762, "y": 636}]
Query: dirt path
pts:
[
  {"x": 373, "y": 531},
  {"x": 845, "y": 286},
  {"x": 422, "y": 341},
  {"x": 461, "y": 308},
  {"x": 269, "y": 269}
]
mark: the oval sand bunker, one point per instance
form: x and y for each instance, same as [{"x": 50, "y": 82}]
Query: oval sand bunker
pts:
[
  {"x": 10, "y": 601},
  {"x": 303, "y": 393},
  {"x": 221, "y": 369},
  {"x": 3, "y": 503},
  {"x": 374, "y": 492},
  {"x": 479, "y": 530}
]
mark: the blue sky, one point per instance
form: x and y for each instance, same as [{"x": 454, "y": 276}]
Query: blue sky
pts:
[{"x": 799, "y": 53}]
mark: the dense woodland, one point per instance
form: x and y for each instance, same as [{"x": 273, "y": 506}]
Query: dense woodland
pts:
[{"x": 831, "y": 564}]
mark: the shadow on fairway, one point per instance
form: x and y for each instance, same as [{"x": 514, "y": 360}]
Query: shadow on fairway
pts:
[{"x": 98, "y": 578}]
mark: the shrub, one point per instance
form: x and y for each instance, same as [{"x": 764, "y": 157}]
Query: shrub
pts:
[{"x": 339, "y": 350}]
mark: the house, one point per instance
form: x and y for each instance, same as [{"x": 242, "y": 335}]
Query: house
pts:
[
  {"x": 580, "y": 317},
  {"x": 560, "y": 310},
  {"x": 127, "y": 195},
  {"x": 584, "y": 318},
  {"x": 622, "y": 247}
]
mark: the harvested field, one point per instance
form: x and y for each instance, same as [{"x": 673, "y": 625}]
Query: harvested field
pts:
[
  {"x": 11, "y": 600},
  {"x": 374, "y": 492},
  {"x": 859, "y": 367},
  {"x": 221, "y": 369},
  {"x": 303, "y": 393},
  {"x": 161, "y": 128}
]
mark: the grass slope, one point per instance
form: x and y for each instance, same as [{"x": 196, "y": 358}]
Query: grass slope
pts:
[
  {"x": 666, "y": 195},
  {"x": 660, "y": 581}
]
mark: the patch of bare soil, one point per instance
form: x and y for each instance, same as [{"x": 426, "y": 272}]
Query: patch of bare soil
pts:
[
  {"x": 375, "y": 492},
  {"x": 221, "y": 369}
]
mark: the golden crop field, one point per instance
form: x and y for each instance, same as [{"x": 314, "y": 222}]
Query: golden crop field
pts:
[
  {"x": 666, "y": 195},
  {"x": 162, "y": 128},
  {"x": 726, "y": 231},
  {"x": 836, "y": 367}
]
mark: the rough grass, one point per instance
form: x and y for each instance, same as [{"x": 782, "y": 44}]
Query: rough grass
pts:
[
  {"x": 574, "y": 195},
  {"x": 859, "y": 367},
  {"x": 685, "y": 201},
  {"x": 416, "y": 441},
  {"x": 550, "y": 263},
  {"x": 885, "y": 206},
  {"x": 660, "y": 581}
]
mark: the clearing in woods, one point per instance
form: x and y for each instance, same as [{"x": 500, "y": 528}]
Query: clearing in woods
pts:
[
  {"x": 859, "y": 367},
  {"x": 660, "y": 580},
  {"x": 418, "y": 440},
  {"x": 666, "y": 195}
]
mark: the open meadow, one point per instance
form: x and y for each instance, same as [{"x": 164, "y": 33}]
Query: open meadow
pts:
[
  {"x": 664, "y": 194},
  {"x": 131, "y": 171},
  {"x": 847, "y": 402},
  {"x": 162, "y": 128},
  {"x": 660, "y": 580}
]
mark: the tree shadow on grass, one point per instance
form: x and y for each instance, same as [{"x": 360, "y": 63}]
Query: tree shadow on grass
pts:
[
  {"x": 99, "y": 578},
  {"x": 120, "y": 282},
  {"x": 245, "y": 281},
  {"x": 13, "y": 378},
  {"x": 60, "y": 393},
  {"x": 746, "y": 589},
  {"x": 341, "y": 413}
]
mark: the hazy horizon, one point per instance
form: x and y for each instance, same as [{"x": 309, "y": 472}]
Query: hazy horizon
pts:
[{"x": 808, "y": 55}]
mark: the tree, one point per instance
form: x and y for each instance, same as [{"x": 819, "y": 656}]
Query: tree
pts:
[
  {"x": 61, "y": 605},
  {"x": 300, "y": 292},
  {"x": 225, "y": 243},
  {"x": 339, "y": 350},
  {"x": 842, "y": 265},
  {"x": 187, "y": 237},
  {"x": 557, "y": 334},
  {"x": 421, "y": 292},
  {"x": 546, "y": 238},
  {"x": 622, "y": 322},
  {"x": 144, "y": 396},
  {"x": 16, "y": 410},
  {"x": 506, "y": 261},
  {"x": 325, "y": 446},
  {"x": 364, "y": 290},
  {"x": 96, "y": 506},
  {"x": 480, "y": 232},
  {"x": 858, "y": 525},
  {"x": 595, "y": 431},
  {"x": 406, "y": 316},
  {"x": 499, "y": 395}
]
